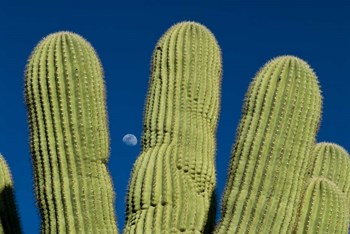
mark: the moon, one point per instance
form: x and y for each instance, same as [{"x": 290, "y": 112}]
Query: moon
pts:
[{"x": 130, "y": 140}]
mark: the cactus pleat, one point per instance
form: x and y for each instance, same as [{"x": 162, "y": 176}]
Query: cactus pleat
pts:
[
  {"x": 9, "y": 221},
  {"x": 274, "y": 140},
  {"x": 69, "y": 138},
  {"x": 174, "y": 177},
  {"x": 324, "y": 208},
  {"x": 332, "y": 161}
]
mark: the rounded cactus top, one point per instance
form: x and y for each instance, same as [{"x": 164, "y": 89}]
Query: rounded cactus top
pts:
[
  {"x": 290, "y": 72},
  {"x": 64, "y": 39},
  {"x": 196, "y": 28}
]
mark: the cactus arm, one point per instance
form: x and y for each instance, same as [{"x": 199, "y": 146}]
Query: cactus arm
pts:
[
  {"x": 69, "y": 137},
  {"x": 275, "y": 137},
  {"x": 331, "y": 161},
  {"x": 174, "y": 177},
  {"x": 324, "y": 208},
  {"x": 329, "y": 165},
  {"x": 9, "y": 219}
]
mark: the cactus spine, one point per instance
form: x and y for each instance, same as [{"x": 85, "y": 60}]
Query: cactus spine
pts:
[
  {"x": 173, "y": 179},
  {"x": 274, "y": 140},
  {"x": 65, "y": 98},
  {"x": 9, "y": 221}
]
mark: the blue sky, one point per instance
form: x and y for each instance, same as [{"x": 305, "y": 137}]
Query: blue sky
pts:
[{"x": 124, "y": 36}]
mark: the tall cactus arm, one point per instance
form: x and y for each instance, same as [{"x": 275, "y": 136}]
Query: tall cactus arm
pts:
[
  {"x": 9, "y": 220},
  {"x": 274, "y": 140},
  {"x": 173, "y": 179},
  {"x": 65, "y": 98}
]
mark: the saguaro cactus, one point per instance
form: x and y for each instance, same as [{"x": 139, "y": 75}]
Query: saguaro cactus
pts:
[
  {"x": 279, "y": 180},
  {"x": 274, "y": 140},
  {"x": 174, "y": 177},
  {"x": 9, "y": 221},
  {"x": 69, "y": 137}
]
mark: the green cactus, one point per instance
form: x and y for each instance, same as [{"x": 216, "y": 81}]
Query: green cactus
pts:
[
  {"x": 65, "y": 97},
  {"x": 269, "y": 159},
  {"x": 323, "y": 209},
  {"x": 9, "y": 221},
  {"x": 279, "y": 180},
  {"x": 174, "y": 177}
]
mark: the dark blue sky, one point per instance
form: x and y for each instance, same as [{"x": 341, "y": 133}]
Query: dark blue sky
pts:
[{"x": 124, "y": 36}]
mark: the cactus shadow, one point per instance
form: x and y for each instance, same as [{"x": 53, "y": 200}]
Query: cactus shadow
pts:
[
  {"x": 9, "y": 220},
  {"x": 211, "y": 222}
]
